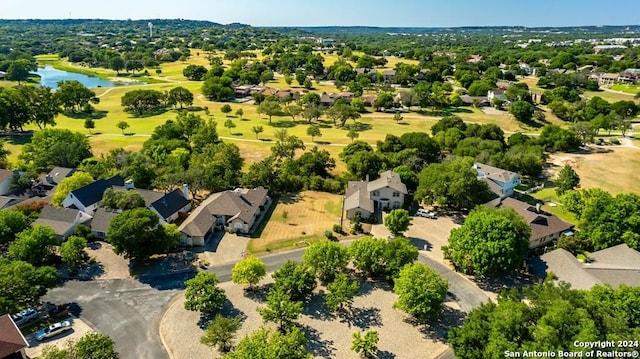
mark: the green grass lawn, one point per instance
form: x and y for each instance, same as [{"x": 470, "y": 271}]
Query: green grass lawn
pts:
[
  {"x": 630, "y": 89},
  {"x": 548, "y": 195}
]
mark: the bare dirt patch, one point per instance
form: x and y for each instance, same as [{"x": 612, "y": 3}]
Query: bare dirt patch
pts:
[
  {"x": 329, "y": 336},
  {"x": 614, "y": 169},
  {"x": 298, "y": 218},
  {"x": 112, "y": 265}
]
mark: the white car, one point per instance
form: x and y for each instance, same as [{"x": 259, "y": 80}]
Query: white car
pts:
[
  {"x": 427, "y": 214},
  {"x": 25, "y": 316},
  {"x": 53, "y": 330}
]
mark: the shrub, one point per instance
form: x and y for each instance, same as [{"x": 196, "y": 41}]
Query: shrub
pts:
[
  {"x": 338, "y": 228},
  {"x": 614, "y": 141},
  {"x": 329, "y": 234}
]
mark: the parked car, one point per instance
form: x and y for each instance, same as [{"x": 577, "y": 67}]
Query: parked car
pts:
[
  {"x": 25, "y": 316},
  {"x": 427, "y": 214},
  {"x": 53, "y": 330}
]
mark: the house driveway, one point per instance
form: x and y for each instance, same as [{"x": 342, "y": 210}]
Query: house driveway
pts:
[
  {"x": 428, "y": 235},
  {"x": 222, "y": 248},
  {"x": 80, "y": 328}
]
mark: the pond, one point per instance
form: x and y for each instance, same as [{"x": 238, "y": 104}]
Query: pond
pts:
[{"x": 50, "y": 77}]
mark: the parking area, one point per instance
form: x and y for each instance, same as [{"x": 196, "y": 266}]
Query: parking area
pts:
[
  {"x": 79, "y": 329},
  {"x": 222, "y": 248},
  {"x": 429, "y": 235}
]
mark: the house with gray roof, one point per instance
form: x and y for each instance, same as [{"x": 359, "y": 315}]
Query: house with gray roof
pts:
[
  {"x": 545, "y": 227},
  {"x": 62, "y": 220},
  {"x": 167, "y": 206},
  {"x": 615, "y": 266},
  {"x": 86, "y": 198},
  {"x": 236, "y": 211},
  {"x": 363, "y": 198},
  {"x": 501, "y": 182},
  {"x": 100, "y": 222}
]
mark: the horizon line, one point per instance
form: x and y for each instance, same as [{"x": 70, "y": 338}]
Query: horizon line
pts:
[{"x": 337, "y": 26}]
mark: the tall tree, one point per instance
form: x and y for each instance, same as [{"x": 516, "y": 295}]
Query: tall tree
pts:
[
  {"x": 250, "y": 271},
  {"x": 257, "y": 130},
  {"x": 340, "y": 292},
  {"x": 55, "y": 147},
  {"x": 89, "y": 124},
  {"x": 73, "y": 253},
  {"x": 314, "y": 131},
  {"x": 327, "y": 258},
  {"x": 122, "y": 125},
  {"x": 11, "y": 224},
  {"x": 295, "y": 279},
  {"x": 490, "y": 242},
  {"x": 397, "y": 222},
  {"x": 421, "y": 291},
  {"x": 270, "y": 108},
  {"x": 136, "y": 234},
  {"x": 280, "y": 309},
  {"x": 567, "y": 180},
  {"x": 74, "y": 96},
  {"x": 34, "y": 245},
  {"x": 203, "y": 294},
  {"x": 221, "y": 332},
  {"x": 180, "y": 96}
]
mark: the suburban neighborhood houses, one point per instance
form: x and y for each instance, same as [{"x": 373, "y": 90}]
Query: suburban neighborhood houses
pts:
[{"x": 179, "y": 189}]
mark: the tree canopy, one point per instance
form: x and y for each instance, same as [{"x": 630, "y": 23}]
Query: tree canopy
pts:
[
  {"x": 421, "y": 291},
  {"x": 203, "y": 294},
  {"x": 326, "y": 258},
  {"x": 52, "y": 147},
  {"x": 490, "y": 242},
  {"x": 22, "y": 284},
  {"x": 249, "y": 270}
]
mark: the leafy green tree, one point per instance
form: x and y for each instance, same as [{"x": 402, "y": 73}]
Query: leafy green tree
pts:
[
  {"x": 95, "y": 346},
  {"x": 22, "y": 284},
  {"x": 180, "y": 96},
  {"x": 397, "y": 117},
  {"x": 34, "y": 245},
  {"x": 249, "y": 270},
  {"x": 293, "y": 111},
  {"x": 74, "y": 96},
  {"x": 218, "y": 88},
  {"x": 116, "y": 63},
  {"x": 229, "y": 124},
  {"x": 136, "y": 234},
  {"x": 203, "y": 294},
  {"x": 522, "y": 111},
  {"x": 11, "y": 224},
  {"x": 257, "y": 130},
  {"x": 398, "y": 253},
  {"x": 490, "y": 242},
  {"x": 141, "y": 102},
  {"x": 19, "y": 70},
  {"x": 567, "y": 180},
  {"x": 397, "y": 222},
  {"x": 369, "y": 255},
  {"x": 340, "y": 292},
  {"x": 314, "y": 131},
  {"x": 221, "y": 332},
  {"x": 226, "y": 109},
  {"x": 89, "y": 124},
  {"x": 453, "y": 183},
  {"x": 555, "y": 138},
  {"x": 280, "y": 309},
  {"x": 479, "y": 88},
  {"x": 421, "y": 291},
  {"x": 270, "y": 108},
  {"x": 295, "y": 279},
  {"x": 239, "y": 113},
  {"x": 194, "y": 72},
  {"x": 52, "y": 147},
  {"x": 267, "y": 344},
  {"x": 448, "y": 122},
  {"x": 342, "y": 112},
  {"x": 122, "y": 200},
  {"x": 326, "y": 258},
  {"x": 122, "y": 125},
  {"x": 353, "y": 134},
  {"x": 73, "y": 253},
  {"x": 367, "y": 345}
]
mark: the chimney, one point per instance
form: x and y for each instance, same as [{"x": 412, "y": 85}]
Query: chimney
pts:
[
  {"x": 185, "y": 191},
  {"x": 128, "y": 185},
  {"x": 537, "y": 207},
  {"x": 367, "y": 177},
  {"x": 49, "y": 179}
]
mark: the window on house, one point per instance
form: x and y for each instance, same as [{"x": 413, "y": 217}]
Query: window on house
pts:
[
  {"x": 396, "y": 194},
  {"x": 376, "y": 193}
]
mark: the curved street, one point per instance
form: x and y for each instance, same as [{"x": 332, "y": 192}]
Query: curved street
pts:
[{"x": 130, "y": 310}]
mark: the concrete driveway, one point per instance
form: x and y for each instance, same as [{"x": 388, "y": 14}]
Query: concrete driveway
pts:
[
  {"x": 79, "y": 329},
  {"x": 222, "y": 248}
]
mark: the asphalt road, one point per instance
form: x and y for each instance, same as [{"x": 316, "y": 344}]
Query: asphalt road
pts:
[{"x": 130, "y": 310}]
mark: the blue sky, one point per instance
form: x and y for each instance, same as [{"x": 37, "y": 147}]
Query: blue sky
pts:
[{"x": 423, "y": 13}]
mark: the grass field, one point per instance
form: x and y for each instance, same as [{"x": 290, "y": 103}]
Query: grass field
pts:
[
  {"x": 553, "y": 205},
  {"x": 630, "y": 89},
  {"x": 298, "y": 219}
]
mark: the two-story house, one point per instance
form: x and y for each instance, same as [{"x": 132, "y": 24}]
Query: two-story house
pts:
[
  {"x": 87, "y": 198},
  {"x": 363, "y": 198},
  {"x": 501, "y": 182}
]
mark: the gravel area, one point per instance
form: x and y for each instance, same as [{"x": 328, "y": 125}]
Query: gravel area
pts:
[
  {"x": 113, "y": 265},
  {"x": 329, "y": 335}
]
